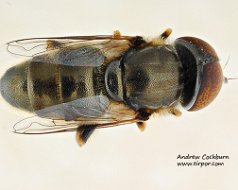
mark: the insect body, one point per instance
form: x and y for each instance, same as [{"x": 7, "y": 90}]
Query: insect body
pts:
[{"x": 90, "y": 82}]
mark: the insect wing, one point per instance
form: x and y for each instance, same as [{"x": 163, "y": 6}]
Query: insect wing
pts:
[
  {"x": 37, "y": 125},
  {"x": 87, "y": 107},
  {"x": 93, "y": 46},
  {"x": 82, "y": 112}
]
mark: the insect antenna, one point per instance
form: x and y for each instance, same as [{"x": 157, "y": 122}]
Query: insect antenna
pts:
[
  {"x": 227, "y": 61},
  {"x": 227, "y": 79}
]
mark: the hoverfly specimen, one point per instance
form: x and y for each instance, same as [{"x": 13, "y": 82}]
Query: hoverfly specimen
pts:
[{"x": 90, "y": 82}]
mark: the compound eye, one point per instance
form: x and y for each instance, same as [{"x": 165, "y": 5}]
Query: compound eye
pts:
[{"x": 202, "y": 73}]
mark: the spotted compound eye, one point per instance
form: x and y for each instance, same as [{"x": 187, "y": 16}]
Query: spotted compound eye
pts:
[{"x": 202, "y": 73}]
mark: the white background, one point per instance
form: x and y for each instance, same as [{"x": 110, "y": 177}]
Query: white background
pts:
[{"x": 123, "y": 157}]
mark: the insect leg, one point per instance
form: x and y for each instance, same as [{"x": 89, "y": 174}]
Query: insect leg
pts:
[
  {"x": 175, "y": 112},
  {"x": 141, "y": 126},
  {"x": 84, "y": 132},
  {"x": 166, "y": 33},
  {"x": 117, "y": 34},
  {"x": 161, "y": 39},
  {"x": 143, "y": 115}
]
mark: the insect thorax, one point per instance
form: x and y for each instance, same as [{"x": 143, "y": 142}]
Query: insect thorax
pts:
[{"x": 145, "y": 78}]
